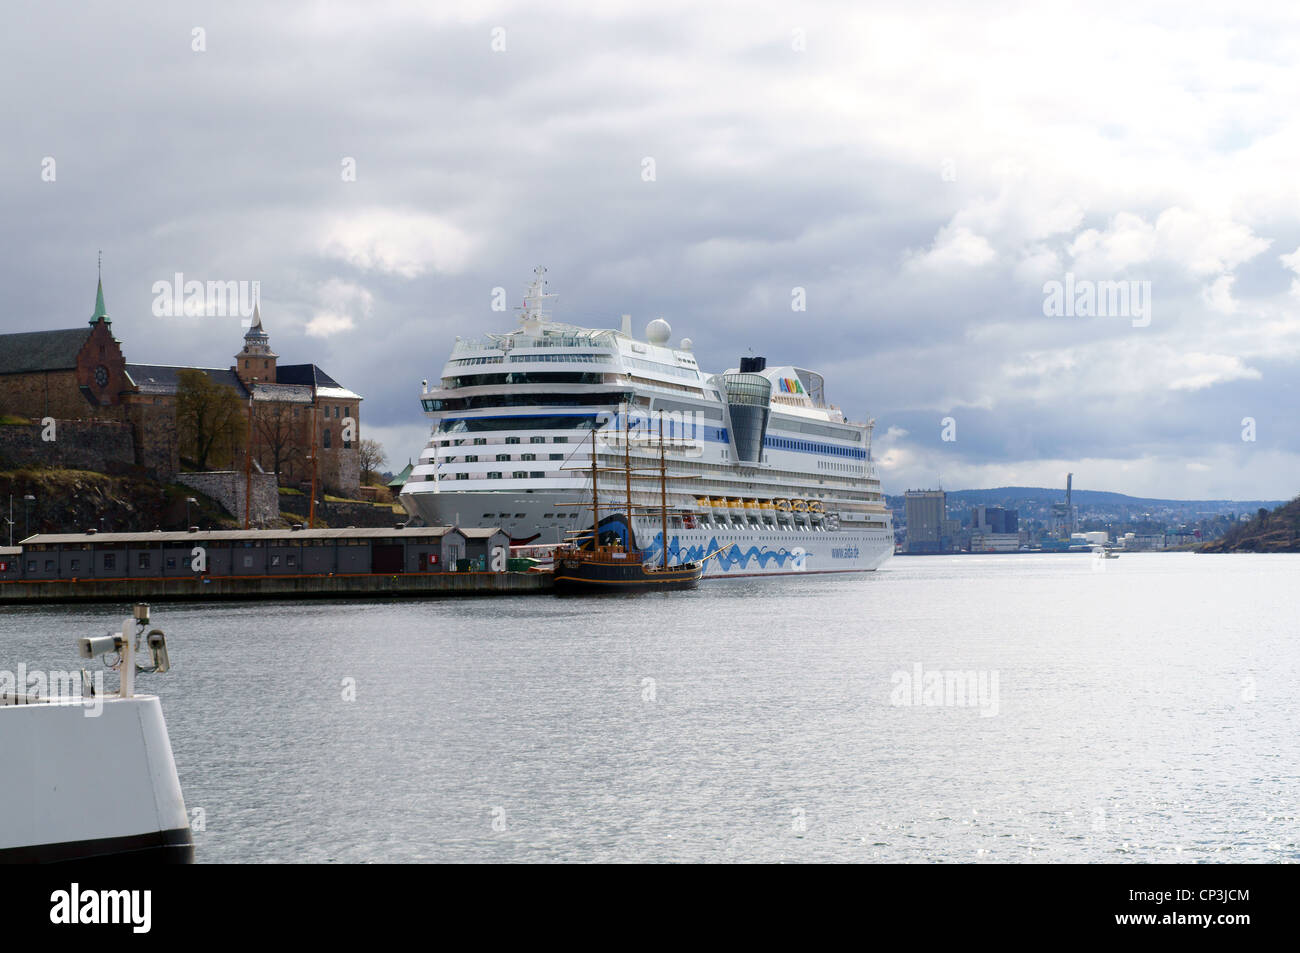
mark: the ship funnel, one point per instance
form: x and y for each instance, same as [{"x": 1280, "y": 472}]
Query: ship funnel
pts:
[{"x": 749, "y": 399}]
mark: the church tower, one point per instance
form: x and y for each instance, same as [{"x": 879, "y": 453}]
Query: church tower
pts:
[
  {"x": 256, "y": 360},
  {"x": 101, "y": 311}
]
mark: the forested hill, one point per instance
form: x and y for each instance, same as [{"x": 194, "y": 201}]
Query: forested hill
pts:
[{"x": 1270, "y": 531}]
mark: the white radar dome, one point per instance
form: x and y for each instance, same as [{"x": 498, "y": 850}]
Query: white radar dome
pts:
[
  {"x": 658, "y": 331},
  {"x": 687, "y": 344}
]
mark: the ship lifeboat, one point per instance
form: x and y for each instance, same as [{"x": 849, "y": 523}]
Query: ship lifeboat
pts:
[
  {"x": 799, "y": 506},
  {"x": 815, "y": 506},
  {"x": 782, "y": 506},
  {"x": 751, "y": 504}
]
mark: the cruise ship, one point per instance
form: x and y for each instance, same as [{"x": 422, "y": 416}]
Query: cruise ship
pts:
[{"x": 762, "y": 470}]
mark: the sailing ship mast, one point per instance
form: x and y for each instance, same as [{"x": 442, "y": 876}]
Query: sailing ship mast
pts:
[
  {"x": 663, "y": 491},
  {"x": 627, "y": 470},
  {"x": 595, "y": 498}
]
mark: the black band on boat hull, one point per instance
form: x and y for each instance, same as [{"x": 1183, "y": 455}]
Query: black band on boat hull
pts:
[{"x": 157, "y": 847}]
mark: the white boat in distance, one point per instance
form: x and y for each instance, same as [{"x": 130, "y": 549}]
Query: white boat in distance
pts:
[{"x": 760, "y": 463}]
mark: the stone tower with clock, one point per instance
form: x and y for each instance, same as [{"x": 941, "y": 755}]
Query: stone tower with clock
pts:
[{"x": 256, "y": 361}]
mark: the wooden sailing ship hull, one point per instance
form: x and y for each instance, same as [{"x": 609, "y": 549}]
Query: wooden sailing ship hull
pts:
[{"x": 592, "y": 575}]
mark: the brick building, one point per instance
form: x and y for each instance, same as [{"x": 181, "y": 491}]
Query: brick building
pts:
[
  {"x": 82, "y": 374},
  {"x": 71, "y": 374}
]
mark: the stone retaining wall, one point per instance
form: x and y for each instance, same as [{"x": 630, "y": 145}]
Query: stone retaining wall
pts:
[{"x": 227, "y": 488}]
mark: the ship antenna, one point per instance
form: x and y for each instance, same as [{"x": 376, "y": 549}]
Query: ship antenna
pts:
[{"x": 536, "y": 298}]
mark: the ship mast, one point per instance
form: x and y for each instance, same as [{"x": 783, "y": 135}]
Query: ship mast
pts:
[
  {"x": 627, "y": 470},
  {"x": 595, "y": 500},
  {"x": 663, "y": 490}
]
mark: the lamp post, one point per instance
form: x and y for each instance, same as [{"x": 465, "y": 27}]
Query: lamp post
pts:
[
  {"x": 28, "y": 500},
  {"x": 248, "y": 457},
  {"x": 188, "y": 501}
]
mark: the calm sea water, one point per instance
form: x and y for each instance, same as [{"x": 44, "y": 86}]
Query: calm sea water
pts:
[{"x": 1144, "y": 711}]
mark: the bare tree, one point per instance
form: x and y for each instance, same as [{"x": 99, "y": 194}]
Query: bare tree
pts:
[
  {"x": 371, "y": 456},
  {"x": 277, "y": 434},
  {"x": 208, "y": 420}
]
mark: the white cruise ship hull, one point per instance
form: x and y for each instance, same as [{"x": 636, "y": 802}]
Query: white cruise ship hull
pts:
[{"x": 530, "y": 519}]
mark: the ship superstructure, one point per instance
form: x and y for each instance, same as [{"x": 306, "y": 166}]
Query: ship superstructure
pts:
[{"x": 760, "y": 463}]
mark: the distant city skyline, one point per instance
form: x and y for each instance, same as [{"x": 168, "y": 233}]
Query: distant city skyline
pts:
[{"x": 1024, "y": 251}]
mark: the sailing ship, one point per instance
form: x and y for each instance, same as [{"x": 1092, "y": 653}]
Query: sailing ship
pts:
[{"x": 592, "y": 563}]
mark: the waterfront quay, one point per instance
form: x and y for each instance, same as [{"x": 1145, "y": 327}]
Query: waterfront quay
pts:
[{"x": 263, "y": 564}]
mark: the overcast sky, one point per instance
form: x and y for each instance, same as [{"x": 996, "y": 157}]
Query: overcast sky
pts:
[{"x": 921, "y": 170}]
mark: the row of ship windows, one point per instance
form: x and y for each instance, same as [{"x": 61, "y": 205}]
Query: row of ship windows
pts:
[
  {"x": 677, "y": 464},
  {"x": 665, "y": 385},
  {"x": 559, "y": 359},
  {"x": 786, "y": 476},
  {"x": 791, "y": 528},
  {"x": 585, "y": 421},
  {"x": 712, "y": 434},
  {"x": 503, "y": 458},
  {"x": 519, "y": 516},
  {"x": 580, "y": 358},
  {"x": 539, "y": 475},
  {"x": 825, "y": 466},
  {"x": 683, "y": 372},
  {"x": 534, "y": 359},
  {"x": 483, "y": 441},
  {"x": 808, "y": 446},
  {"x": 771, "y": 539}
]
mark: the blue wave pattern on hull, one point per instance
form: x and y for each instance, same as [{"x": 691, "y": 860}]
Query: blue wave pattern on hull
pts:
[{"x": 734, "y": 557}]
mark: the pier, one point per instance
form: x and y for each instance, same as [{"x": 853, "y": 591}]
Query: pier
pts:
[{"x": 198, "y": 566}]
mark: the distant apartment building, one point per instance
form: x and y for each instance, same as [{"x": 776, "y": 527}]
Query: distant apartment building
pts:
[
  {"x": 926, "y": 516},
  {"x": 993, "y": 519}
]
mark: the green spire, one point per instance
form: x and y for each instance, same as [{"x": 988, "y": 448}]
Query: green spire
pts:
[{"x": 100, "y": 310}]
